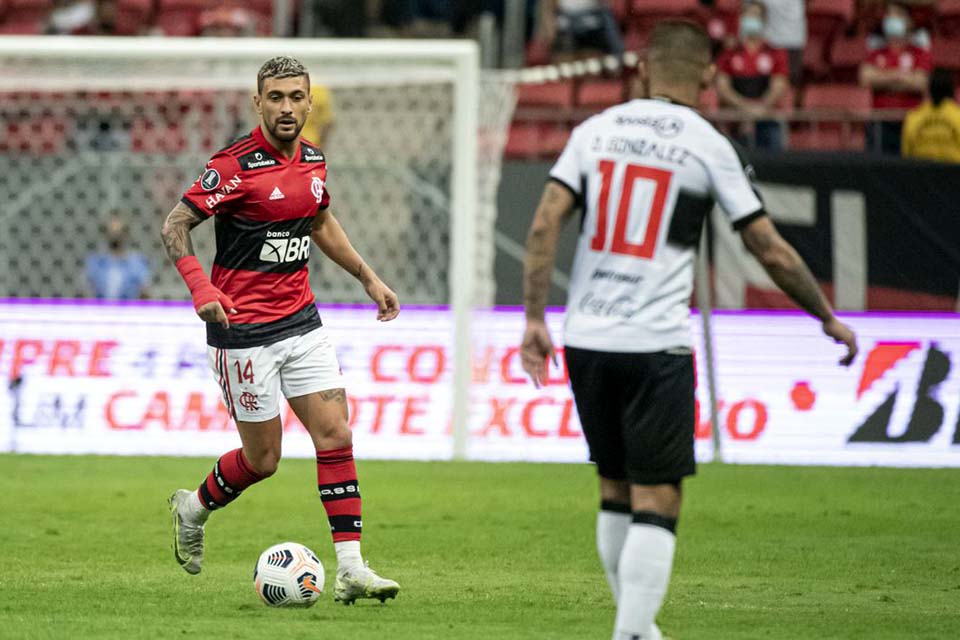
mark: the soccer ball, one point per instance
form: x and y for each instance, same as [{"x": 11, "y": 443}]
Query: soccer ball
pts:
[{"x": 288, "y": 575}]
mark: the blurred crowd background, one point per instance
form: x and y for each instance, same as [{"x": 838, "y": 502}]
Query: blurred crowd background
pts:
[{"x": 855, "y": 76}]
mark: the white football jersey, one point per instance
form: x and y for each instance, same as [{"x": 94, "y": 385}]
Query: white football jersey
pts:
[{"x": 647, "y": 173}]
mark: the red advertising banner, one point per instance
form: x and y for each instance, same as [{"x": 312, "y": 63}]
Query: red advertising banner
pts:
[{"x": 134, "y": 379}]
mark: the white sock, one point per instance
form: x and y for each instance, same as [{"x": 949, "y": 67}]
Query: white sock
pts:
[
  {"x": 644, "y": 572},
  {"x": 348, "y": 555},
  {"x": 197, "y": 509},
  {"x": 612, "y": 529}
]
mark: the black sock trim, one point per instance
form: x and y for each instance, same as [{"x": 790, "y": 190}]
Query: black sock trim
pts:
[
  {"x": 655, "y": 520},
  {"x": 613, "y": 505}
]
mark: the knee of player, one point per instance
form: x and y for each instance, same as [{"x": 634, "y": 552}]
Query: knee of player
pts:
[
  {"x": 266, "y": 464},
  {"x": 341, "y": 436}
]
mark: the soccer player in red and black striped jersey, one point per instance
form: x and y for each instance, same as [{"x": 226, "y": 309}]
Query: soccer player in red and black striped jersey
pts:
[{"x": 268, "y": 197}]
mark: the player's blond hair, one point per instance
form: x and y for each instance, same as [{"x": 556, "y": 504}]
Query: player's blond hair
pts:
[
  {"x": 679, "y": 50},
  {"x": 281, "y": 67}
]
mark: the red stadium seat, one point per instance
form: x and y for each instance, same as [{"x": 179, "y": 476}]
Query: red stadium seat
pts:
[
  {"x": 814, "y": 59},
  {"x": 643, "y": 14},
  {"x": 833, "y": 134},
  {"x": 850, "y": 97},
  {"x": 530, "y": 140},
  {"x": 547, "y": 94},
  {"x": 25, "y": 17},
  {"x": 826, "y": 17},
  {"x": 600, "y": 93},
  {"x": 149, "y": 135},
  {"x": 37, "y": 135},
  {"x": 179, "y": 17},
  {"x": 948, "y": 18},
  {"x": 946, "y": 53},
  {"x": 133, "y": 16},
  {"x": 846, "y": 55}
]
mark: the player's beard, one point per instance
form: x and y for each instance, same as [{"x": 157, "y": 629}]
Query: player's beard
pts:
[{"x": 285, "y": 133}]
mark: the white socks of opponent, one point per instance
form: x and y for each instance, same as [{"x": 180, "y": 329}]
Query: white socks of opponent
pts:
[
  {"x": 612, "y": 529},
  {"x": 638, "y": 571}
]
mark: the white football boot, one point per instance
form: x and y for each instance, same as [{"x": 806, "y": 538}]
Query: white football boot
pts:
[
  {"x": 188, "y": 521},
  {"x": 362, "y": 582}
]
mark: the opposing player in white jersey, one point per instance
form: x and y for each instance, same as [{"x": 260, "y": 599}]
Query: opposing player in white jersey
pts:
[{"x": 646, "y": 173}]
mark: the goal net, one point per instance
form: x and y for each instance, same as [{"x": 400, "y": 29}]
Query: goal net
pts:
[
  {"x": 93, "y": 128},
  {"x": 96, "y": 128}
]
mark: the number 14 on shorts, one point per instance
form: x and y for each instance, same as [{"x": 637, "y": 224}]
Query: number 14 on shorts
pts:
[{"x": 244, "y": 372}]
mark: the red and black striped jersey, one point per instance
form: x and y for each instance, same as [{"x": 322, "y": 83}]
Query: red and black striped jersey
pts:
[{"x": 264, "y": 205}]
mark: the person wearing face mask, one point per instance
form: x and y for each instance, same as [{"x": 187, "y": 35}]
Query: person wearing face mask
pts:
[
  {"x": 898, "y": 74},
  {"x": 753, "y": 76},
  {"x": 117, "y": 273}
]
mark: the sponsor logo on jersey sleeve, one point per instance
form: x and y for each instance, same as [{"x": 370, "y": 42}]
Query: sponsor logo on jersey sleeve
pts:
[{"x": 210, "y": 180}]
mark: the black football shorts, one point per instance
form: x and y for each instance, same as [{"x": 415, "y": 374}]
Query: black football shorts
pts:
[{"x": 637, "y": 412}]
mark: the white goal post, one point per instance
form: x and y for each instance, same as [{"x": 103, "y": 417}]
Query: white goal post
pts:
[{"x": 435, "y": 131}]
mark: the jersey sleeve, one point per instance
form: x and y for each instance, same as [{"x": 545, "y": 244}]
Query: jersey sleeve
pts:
[
  {"x": 567, "y": 170},
  {"x": 324, "y": 200},
  {"x": 730, "y": 185},
  {"x": 218, "y": 187}
]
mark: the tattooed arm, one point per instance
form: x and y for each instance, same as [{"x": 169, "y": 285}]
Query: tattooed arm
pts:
[
  {"x": 788, "y": 270},
  {"x": 333, "y": 241},
  {"x": 209, "y": 301},
  {"x": 176, "y": 231},
  {"x": 554, "y": 210}
]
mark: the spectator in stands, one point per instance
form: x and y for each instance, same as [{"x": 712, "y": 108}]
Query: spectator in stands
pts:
[
  {"x": 118, "y": 273},
  {"x": 918, "y": 35},
  {"x": 752, "y": 77},
  {"x": 787, "y": 29},
  {"x": 83, "y": 18},
  {"x": 576, "y": 29},
  {"x": 932, "y": 130},
  {"x": 898, "y": 74},
  {"x": 226, "y": 22}
]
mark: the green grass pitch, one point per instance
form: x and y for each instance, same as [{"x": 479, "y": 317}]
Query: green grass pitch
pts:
[{"x": 486, "y": 551}]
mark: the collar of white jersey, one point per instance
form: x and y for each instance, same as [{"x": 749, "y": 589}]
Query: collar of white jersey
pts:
[{"x": 670, "y": 100}]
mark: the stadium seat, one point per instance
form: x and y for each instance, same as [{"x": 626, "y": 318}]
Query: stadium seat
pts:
[
  {"x": 948, "y": 18},
  {"x": 133, "y": 16},
  {"x": 530, "y": 140},
  {"x": 832, "y": 134},
  {"x": 25, "y": 17},
  {"x": 547, "y": 94},
  {"x": 599, "y": 93},
  {"x": 814, "y": 59},
  {"x": 179, "y": 17},
  {"x": 38, "y": 135},
  {"x": 827, "y": 17},
  {"x": 946, "y": 53},
  {"x": 846, "y": 55},
  {"x": 643, "y": 14},
  {"x": 149, "y": 135},
  {"x": 850, "y": 97}
]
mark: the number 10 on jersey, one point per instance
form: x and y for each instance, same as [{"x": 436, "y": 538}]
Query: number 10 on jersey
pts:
[{"x": 619, "y": 244}]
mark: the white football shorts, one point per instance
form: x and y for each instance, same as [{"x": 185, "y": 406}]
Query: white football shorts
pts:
[{"x": 252, "y": 379}]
